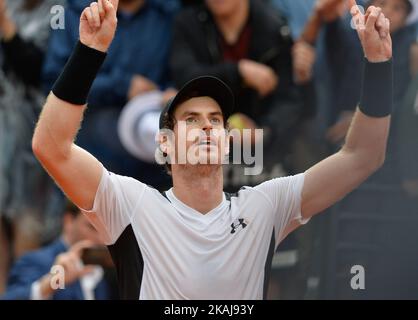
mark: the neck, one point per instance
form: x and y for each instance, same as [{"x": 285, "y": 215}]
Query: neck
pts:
[
  {"x": 199, "y": 187},
  {"x": 231, "y": 24},
  {"x": 131, "y": 6}
]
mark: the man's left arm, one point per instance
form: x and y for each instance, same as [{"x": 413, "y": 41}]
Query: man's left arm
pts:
[{"x": 365, "y": 146}]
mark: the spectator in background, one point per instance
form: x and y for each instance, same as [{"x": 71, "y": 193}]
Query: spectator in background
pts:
[
  {"x": 339, "y": 39},
  {"x": 31, "y": 279},
  {"x": 247, "y": 44},
  {"x": 136, "y": 63},
  {"x": 24, "y": 31}
]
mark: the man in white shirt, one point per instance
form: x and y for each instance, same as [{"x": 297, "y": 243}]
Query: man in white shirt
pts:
[{"x": 195, "y": 241}]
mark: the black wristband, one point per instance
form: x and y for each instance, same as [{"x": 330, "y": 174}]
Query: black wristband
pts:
[
  {"x": 75, "y": 81},
  {"x": 377, "y": 95}
]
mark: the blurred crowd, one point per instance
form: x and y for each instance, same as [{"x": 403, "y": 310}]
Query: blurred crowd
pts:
[{"x": 295, "y": 67}]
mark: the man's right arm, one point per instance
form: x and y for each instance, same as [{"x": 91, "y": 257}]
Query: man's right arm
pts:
[{"x": 76, "y": 171}]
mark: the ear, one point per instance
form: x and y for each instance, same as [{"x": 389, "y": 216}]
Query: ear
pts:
[{"x": 163, "y": 143}]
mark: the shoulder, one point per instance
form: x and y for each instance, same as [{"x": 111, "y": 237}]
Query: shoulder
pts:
[
  {"x": 122, "y": 186},
  {"x": 247, "y": 195},
  {"x": 120, "y": 179},
  {"x": 282, "y": 187}
]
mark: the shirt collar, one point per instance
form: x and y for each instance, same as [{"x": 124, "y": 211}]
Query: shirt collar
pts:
[{"x": 191, "y": 213}]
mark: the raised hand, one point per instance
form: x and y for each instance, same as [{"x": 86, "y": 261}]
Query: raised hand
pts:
[
  {"x": 373, "y": 29},
  {"x": 98, "y": 24}
]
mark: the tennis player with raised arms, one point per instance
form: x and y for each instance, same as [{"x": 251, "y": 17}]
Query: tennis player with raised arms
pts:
[{"x": 195, "y": 241}]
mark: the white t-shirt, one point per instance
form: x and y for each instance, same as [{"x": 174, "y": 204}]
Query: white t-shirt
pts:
[{"x": 164, "y": 249}]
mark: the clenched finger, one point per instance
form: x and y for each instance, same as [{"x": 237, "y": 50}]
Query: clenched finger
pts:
[
  {"x": 87, "y": 15},
  {"x": 372, "y": 19},
  {"x": 381, "y": 26}
]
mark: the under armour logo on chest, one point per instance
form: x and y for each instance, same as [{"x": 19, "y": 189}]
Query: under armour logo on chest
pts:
[{"x": 237, "y": 225}]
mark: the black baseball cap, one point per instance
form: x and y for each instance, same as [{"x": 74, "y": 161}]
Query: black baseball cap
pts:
[{"x": 205, "y": 86}]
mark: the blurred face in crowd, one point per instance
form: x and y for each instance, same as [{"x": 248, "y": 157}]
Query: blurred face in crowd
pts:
[
  {"x": 222, "y": 8},
  {"x": 200, "y": 122},
  {"x": 77, "y": 228},
  {"x": 396, "y": 11}
]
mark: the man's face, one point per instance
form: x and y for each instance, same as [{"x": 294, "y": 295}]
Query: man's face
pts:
[
  {"x": 222, "y": 8},
  {"x": 199, "y": 133},
  {"x": 395, "y": 10}
]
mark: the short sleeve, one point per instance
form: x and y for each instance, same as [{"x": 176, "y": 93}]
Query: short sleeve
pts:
[
  {"x": 285, "y": 196},
  {"x": 115, "y": 201}
]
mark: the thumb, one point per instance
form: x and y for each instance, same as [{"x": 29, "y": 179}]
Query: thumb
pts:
[{"x": 372, "y": 19}]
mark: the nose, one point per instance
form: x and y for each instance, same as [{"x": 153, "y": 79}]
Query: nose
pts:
[{"x": 207, "y": 125}]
